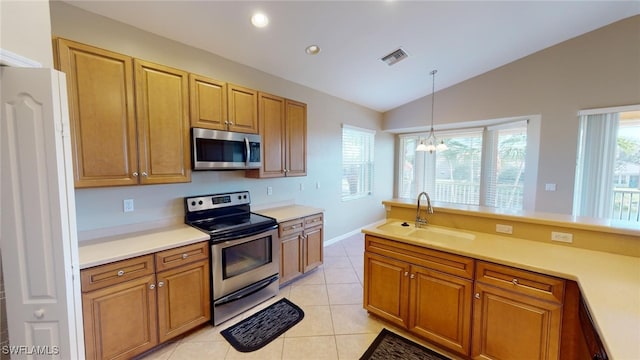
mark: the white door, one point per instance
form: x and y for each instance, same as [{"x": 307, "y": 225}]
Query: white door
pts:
[{"x": 38, "y": 228}]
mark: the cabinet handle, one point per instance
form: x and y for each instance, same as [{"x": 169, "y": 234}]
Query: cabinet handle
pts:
[
  {"x": 135, "y": 174},
  {"x": 184, "y": 256},
  {"x": 230, "y": 123},
  {"x": 515, "y": 281},
  {"x": 226, "y": 122},
  {"x": 413, "y": 276},
  {"x": 120, "y": 272},
  {"x": 152, "y": 286},
  {"x": 160, "y": 284},
  {"x": 406, "y": 273},
  {"x": 144, "y": 173},
  {"x": 477, "y": 296}
]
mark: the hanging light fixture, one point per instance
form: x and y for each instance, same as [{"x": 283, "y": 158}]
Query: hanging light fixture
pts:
[{"x": 432, "y": 143}]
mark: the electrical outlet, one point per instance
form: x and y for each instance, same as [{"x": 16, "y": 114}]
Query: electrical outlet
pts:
[
  {"x": 269, "y": 190},
  {"x": 127, "y": 205},
  {"x": 562, "y": 237},
  {"x": 505, "y": 229}
]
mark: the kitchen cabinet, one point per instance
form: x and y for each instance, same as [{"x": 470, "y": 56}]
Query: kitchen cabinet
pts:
[
  {"x": 425, "y": 291},
  {"x": 162, "y": 104},
  {"x": 210, "y": 107},
  {"x": 130, "y": 306},
  {"x": 100, "y": 89},
  {"x": 243, "y": 108},
  {"x": 129, "y": 118},
  {"x": 283, "y": 127},
  {"x": 516, "y": 312},
  {"x": 301, "y": 245}
]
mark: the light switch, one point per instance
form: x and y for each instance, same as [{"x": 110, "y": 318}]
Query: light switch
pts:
[{"x": 550, "y": 187}]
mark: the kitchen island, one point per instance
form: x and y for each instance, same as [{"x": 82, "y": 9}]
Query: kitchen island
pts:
[{"x": 608, "y": 281}]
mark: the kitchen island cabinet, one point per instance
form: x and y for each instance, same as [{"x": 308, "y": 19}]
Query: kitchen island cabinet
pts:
[
  {"x": 427, "y": 292},
  {"x": 132, "y": 305}
]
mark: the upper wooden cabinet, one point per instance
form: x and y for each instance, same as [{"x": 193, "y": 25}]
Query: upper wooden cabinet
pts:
[
  {"x": 208, "y": 98},
  {"x": 101, "y": 114},
  {"x": 243, "y": 109},
  {"x": 283, "y": 127},
  {"x": 162, "y": 104},
  {"x": 127, "y": 127}
]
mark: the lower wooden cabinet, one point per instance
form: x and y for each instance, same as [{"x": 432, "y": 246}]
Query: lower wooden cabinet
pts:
[
  {"x": 516, "y": 312},
  {"x": 478, "y": 309},
  {"x": 425, "y": 291},
  {"x": 301, "y": 246},
  {"x": 132, "y": 305}
]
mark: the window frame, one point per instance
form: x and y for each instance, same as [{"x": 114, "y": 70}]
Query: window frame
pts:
[{"x": 366, "y": 176}]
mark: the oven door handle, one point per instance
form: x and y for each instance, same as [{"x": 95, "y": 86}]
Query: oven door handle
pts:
[{"x": 246, "y": 291}]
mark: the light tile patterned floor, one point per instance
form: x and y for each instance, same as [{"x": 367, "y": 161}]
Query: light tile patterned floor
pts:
[{"x": 335, "y": 325}]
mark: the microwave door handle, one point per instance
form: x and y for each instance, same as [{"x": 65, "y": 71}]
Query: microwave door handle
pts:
[{"x": 247, "y": 151}]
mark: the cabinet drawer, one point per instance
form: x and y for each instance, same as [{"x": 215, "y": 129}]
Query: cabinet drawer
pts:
[
  {"x": 290, "y": 227},
  {"x": 313, "y": 220},
  {"x": 540, "y": 286},
  {"x": 433, "y": 259},
  {"x": 169, "y": 259},
  {"x": 114, "y": 273}
]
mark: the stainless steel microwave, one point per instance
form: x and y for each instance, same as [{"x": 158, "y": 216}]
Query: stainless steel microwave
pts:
[{"x": 225, "y": 150}]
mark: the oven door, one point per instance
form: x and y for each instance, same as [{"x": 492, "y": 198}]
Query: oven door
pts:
[{"x": 236, "y": 264}]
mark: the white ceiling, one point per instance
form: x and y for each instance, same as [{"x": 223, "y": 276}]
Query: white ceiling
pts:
[{"x": 461, "y": 39}]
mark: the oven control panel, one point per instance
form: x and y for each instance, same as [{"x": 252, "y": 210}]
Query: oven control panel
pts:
[{"x": 216, "y": 201}]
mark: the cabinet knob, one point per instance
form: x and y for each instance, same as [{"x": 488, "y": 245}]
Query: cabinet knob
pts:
[
  {"x": 144, "y": 173},
  {"x": 120, "y": 272},
  {"x": 152, "y": 286},
  {"x": 477, "y": 296},
  {"x": 135, "y": 174},
  {"x": 515, "y": 281},
  {"x": 230, "y": 123},
  {"x": 413, "y": 276},
  {"x": 184, "y": 256},
  {"x": 160, "y": 284},
  {"x": 406, "y": 273}
]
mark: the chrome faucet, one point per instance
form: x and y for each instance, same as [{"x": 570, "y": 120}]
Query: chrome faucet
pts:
[{"x": 420, "y": 221}]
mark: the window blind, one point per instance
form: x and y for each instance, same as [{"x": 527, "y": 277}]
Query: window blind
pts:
[{"x": 357, "y": 162}]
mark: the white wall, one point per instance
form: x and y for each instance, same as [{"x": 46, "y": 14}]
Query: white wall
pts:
[
  {"x": 101, "y": 208},
  {"x": 26, "y": 30},
  {"x": 594, "y": 70}
]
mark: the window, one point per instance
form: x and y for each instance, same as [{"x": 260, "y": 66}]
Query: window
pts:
[
  {"x": 483, "y": 166},
  {"x": 608, "y": 164},
  {"x": 357, "y": 162}
]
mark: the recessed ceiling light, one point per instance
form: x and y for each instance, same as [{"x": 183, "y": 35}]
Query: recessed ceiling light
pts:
[
  {"x": 259, "y": 20},
  {"x": 312, "y": 49}
]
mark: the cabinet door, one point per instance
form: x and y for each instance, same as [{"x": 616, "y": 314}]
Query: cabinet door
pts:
[
  {"x": 312, "y": 250},
  {"x": 101, "y": 114},
  {"x": 290, "y": 258},
  {"x": 507, "y": 325},
  {"x": 208, "y": 100},
  {"x": 183, "y": 299},
  {"x": 272, "y": 130},
  {"x": 120, "y": 320},
  {"x": 243, "y": 109},
  {"x": 440, "y": 308},
  {"x": 162, "y": 103},
  {"x": 386, "y": 288},
  {"x": 296, "y": 137}
]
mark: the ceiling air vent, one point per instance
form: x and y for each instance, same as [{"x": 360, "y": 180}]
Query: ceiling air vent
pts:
[{"x": 394, "y": 57}]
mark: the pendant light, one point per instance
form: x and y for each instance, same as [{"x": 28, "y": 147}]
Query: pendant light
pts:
[{"x": 431, "y": 146}]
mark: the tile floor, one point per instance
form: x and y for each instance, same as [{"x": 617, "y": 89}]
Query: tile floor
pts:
[{"x": 335, "y": 325}]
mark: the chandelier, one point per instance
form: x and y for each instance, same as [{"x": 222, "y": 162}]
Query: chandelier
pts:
[{"x": 432, "y": 143}]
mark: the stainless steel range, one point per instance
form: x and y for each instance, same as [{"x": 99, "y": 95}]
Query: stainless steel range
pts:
[{"x": 245, "y": 251}]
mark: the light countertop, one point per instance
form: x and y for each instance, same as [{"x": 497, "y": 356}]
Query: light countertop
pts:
[
  {"x": 289, "y": 212},
  {"x": 110, "y": 249},
  {"x": 609, "y": 283}
]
